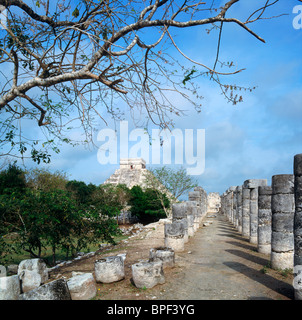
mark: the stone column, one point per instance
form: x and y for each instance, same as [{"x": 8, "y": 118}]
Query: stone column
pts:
[
  {"x": 174, "y": 236},
  {"x": 253, "y": 185},
  {"x": 254, "y": 216},
  {"x": 191, "y": 207},
  {"x": 232, "y": 204},
  {"x": 283, "y": 210},
  {"x": 298, "y": 227},
  {"x": 179, "y": 213},
  {"x": 222, "y": 208},
  {"x": 246, "y": 193},
  {"x": 239, "y": 208},
  {"x": 203, "y": 201},
  {"x": 264, "y": 219},
  {"x": 195, "y": 196}
]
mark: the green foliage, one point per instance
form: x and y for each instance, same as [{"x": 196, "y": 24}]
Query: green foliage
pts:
[
  {"x": 44, "y": 180},
  {"x": 12, "y": 178},
  {"x": 81, "y": 191},
  {"x": 146, "y": 205},
  {"x": 175, "y": 180},
  {"x": 44, "y": 214}
]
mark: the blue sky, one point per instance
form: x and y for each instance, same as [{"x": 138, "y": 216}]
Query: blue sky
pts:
[{"x": 257, "y": 138}]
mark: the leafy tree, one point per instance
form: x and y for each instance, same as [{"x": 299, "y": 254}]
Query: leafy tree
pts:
[
  {"x": 110, "y": 199},
  {"x": 81, "y": 191},
  {"x": 43, "y": 179},
  {"x": 146, "y": 205},
  {"x": 54, "y": 219},
  {"x": 175, "y": 180},
  {"x": 71, "y": 61},
  {"x": 12, "y": 178}
]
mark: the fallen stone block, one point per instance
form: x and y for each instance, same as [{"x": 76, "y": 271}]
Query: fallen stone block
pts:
[
  {"x": 109, "y": 269},
  {"x": 37, "y": 265},
  {"x": 148, "y": 274},
  {"x": 10, "y": 288},
  {"x": 55, "y": 290},
  {"x": 164, "y": 254},
  {"x": 30, "y": 279},
  {"x": 82, "y": 287},
  {"x": 2, "y": 271}
]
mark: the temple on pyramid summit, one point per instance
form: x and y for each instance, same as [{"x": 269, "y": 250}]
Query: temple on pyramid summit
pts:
[{"x": 131, "y": 173}]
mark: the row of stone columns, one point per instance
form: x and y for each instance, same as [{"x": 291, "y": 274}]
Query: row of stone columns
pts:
[
  {"x": 271, "y": 217},
  {"x": 186, "y": 219}
]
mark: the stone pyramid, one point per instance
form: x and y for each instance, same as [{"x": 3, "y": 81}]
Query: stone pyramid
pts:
[{"x": 131, "y": 173}]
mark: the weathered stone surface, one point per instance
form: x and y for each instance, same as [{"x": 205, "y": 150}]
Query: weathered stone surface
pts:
[
  {"x": 283, "y": 222},
  {"x": 12, "y": 269},
  {"x": 283, "y": 203},
  {"x": 148, "y": 274},
  {"x": 109, "y": 269},
  {"x": 254, "y": 183},
  {"x": 282, "y": 242},
  {"x": 175, "y": 229},
  {"x": 254, "y": 215},
  {"x": 55, "y": 290},
  {"x": 283, "y": 209},
  {"x": 264, "y": 219},
  {"x": 10, "y": 288},
  {"x": 37, "y": 265},
  {"x": 82, "y": 287},
  {"x": 30, "y": 279},
  {"x": 164, "y": 254},
  {"x": 283, "y": 183},
  {"x": 239, "y": 208},
  {"x": 3, "y": 272},
  {"x": 246, "y": 212},
  {"x": 298, "y": 164},
  {"x": 190, "y": 219},
  {"x": 282, "y": 260},
  {"x": 179, "y": 210},
  {"x": 194, "y": 196},
  {"x": 298, "y": 226}
]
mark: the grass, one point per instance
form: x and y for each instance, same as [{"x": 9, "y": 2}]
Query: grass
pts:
[
  {"x": 283, "y": 272},
  {"x": 16, "y": 258}
]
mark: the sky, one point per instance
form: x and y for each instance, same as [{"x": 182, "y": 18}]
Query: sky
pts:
[{"x": 254, "y": 139}]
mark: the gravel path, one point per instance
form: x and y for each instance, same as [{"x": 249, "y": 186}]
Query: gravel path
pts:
[
  {"x": 223, "y": 265},
  {"x": 217, "y": 264}
]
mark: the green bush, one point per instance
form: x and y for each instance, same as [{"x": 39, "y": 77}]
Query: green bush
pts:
[{"x": 147, "y": 205}]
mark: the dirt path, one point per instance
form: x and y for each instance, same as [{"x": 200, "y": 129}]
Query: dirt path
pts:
[{"x": 217, "y": 264}]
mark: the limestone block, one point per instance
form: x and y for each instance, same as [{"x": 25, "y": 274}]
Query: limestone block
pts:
[
  {"x": 283, "y": 222},
  {"x": 283, "y": 203},
  {"x": 190, "y": 220},
  {"x": 30, "y": 279},
  {"x": 283, "y": 183},
  {"x": 164, "y": 254},
  {"x": 264, "y": 219},
  {"x": 254, "y": 183},
  {"x": 3, "y": 272},
  {"x": 37, "y": 265},
  {"x": 10, "y": 288},
  {"x": 54, "y": 290},
  {"x": 148, "y": 274},
  {"x": 179, "y": 210},
  {"x": 109, "y": 269},
  {"x": 282, "y": 260},
  {"x": 175, "y": 229},
  {"x": 82, "y": 287}
]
